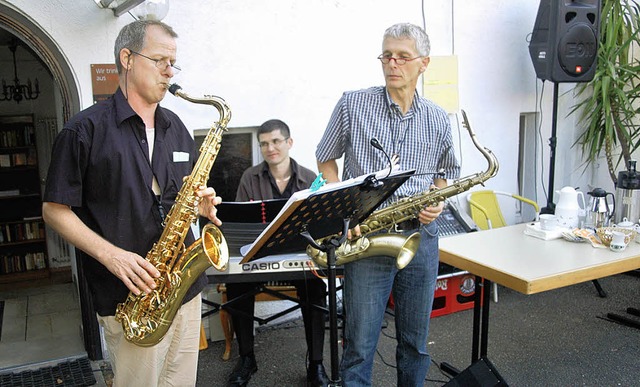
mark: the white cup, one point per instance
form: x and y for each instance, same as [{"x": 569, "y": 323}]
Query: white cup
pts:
[
  {"x": 618, "y": 241},
  {"x": 548, "y": 222}
]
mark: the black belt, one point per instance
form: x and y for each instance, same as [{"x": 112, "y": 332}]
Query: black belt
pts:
[{"x": 408, "y": 225}]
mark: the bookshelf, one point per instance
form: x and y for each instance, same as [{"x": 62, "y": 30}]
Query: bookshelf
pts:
[{"x": 23, "y": 247}]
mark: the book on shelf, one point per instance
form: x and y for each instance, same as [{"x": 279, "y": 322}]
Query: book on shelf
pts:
[
  {"x": 29, "y": 135},
  {"x": 9, "y": 192},
  {"x": 17, "y": 263},
  {"x": 17, "y": 232},
  {"x": 40, "y": 260},
  {"x": 32, "y": 158},
  {"x": 19, "y": 159},
  {"x": 5, "y": 160},
  {"x": 17, "y": 134}
]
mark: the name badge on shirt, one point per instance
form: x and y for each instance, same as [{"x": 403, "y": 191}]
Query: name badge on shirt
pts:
[{"x": 180, "y": 157}]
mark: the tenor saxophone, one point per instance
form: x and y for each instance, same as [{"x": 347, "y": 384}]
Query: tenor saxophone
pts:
[
  {"x": 146, "y": 318},
  {"x": 396, "y": 245}
]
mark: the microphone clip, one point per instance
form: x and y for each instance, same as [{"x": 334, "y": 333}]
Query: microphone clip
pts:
[{"x": 371, "y": 183}]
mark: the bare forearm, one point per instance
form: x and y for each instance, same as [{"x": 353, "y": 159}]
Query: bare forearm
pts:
[
  {"x": 329, "y": 170},
  {"x": 133, "y": 270},
  {"x": 440, "y": 183},
  {"x": 66, "y": 223}
]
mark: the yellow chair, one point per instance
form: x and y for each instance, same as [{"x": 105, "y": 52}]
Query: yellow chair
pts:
[
  {"x": 485, "y": 208},
  {"x": 486, "y": 213}
]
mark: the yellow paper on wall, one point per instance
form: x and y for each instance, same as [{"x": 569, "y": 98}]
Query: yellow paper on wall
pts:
[{"x": 440, "y": 82}]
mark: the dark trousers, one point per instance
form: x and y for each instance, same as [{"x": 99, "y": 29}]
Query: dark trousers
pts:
[{"x": 311, "y": 291}]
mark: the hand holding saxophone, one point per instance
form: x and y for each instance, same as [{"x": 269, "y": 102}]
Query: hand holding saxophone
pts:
[
  {"x": 133, "y": 270},
  {"x": 429, "y": 213},
  {"x": 207, "y": 202}
]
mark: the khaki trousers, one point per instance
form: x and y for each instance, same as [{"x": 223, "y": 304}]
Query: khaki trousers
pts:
[{"x": 171, "y": 362}]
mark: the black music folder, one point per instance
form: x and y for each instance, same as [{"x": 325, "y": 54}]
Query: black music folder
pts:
[
  {"x": 242, "y": 222},
  {"x": 321, "y": 213},
  {"x": 255, "y": 211}
]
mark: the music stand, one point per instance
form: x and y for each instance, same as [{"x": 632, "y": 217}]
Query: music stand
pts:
[{"x": 310, "y": 216}]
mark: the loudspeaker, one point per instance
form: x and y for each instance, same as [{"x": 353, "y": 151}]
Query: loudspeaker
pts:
[
  {"x": 564, "y": 41},
  {"x": 482, "y": 373}
]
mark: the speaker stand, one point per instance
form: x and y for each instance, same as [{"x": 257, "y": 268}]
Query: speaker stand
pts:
[
  {"x": 551, "y": 207},
  {"x": 480, "y": 332},
  {"x": 481, "y": 372}
]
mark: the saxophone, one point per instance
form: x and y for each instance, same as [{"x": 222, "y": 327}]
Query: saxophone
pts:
[
  {"x": 147, "y": 317},
  {"x": 396, "y": 245}
]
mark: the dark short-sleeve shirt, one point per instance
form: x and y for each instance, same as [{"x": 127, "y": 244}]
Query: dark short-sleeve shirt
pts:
[
  {"x": 257, "y": 183},
  {"x": 100, "y": 168}
]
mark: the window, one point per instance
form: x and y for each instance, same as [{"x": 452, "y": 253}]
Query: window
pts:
[{"x": 238, "y": 151}]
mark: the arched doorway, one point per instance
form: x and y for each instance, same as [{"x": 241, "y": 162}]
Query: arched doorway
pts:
[
  {"x": 63, "y": 90},
  {"x": 21, "y": 26}
]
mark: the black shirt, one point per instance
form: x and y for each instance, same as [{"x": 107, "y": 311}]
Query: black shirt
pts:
[
  {"x": 100, "y": 168},
  {"x": 257, "y": 183}
]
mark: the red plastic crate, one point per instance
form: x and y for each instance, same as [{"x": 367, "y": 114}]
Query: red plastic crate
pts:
[{"x": 454, "y": 292}]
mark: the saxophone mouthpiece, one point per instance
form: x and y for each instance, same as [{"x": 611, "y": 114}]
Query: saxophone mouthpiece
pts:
[{"x": 173, "y": 88}]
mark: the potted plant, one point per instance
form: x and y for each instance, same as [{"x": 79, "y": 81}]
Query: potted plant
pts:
[{"x": 609, "y": 105}]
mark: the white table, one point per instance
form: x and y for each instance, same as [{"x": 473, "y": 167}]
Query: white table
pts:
[{"x": 528, "y": 265}]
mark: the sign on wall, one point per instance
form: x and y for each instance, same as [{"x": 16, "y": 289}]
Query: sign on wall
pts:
[
  {"x": 440, "y": 82},
  {"x": 104, "y": 81}
]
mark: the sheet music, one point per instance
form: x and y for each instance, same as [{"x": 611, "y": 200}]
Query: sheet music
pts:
[{"x": 298, "y": 197}]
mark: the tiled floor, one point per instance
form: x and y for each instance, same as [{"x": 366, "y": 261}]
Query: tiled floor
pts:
[{"x": 41, "y": 324}]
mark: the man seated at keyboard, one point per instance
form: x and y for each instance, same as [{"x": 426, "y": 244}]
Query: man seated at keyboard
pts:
[{"x": 278, "y": 177}]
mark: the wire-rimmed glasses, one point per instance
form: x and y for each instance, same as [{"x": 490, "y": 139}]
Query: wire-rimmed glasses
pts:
[
  {"x": 161, "y": 64},
  {"x": 276, "y": 142},
  {"x": 385, "y": 59}
]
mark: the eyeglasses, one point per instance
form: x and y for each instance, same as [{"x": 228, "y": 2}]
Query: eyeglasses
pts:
[
  {"x": 399, "y": 61},
  {"x": 276, "y": 142},
  {"x": 160, "y": 63}
]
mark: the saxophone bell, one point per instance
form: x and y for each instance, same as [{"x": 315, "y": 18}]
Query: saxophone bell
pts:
[
  {"x": 213, "y": 245},
  {"x": 396, "y": 246}
]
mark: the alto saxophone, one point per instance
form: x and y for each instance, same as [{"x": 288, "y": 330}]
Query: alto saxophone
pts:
[
  {"x": 146, "y": 318},
  {"x": 398, "y": 246}
]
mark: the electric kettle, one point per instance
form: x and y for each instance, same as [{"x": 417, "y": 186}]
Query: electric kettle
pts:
[
  {"x": 568, "y": 210},
  {"x": 599, "y": 212}
]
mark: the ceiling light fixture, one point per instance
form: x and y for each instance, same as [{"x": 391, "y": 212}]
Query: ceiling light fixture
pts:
[
  {"x": 17, "y": 92},
  {"x": 151, "y": 10},
  {"x": 140, "y": 9}
]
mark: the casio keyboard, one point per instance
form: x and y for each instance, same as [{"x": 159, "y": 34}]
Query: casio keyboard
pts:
[
  {"x": 283, "y": 267},
  {"x": 298, "y": 265},
  {"x": 278, "y": 269}
]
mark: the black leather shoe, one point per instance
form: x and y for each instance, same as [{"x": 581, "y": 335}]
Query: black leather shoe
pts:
[
  {"x": 243, "y": 370},
  {"x": 317, "y": 376}
]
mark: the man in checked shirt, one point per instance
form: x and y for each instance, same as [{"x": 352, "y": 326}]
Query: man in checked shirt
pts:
[{"x": 418, "y": 135}]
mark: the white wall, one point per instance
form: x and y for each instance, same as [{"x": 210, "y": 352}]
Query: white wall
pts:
[{"x": 292, "y": 59}]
